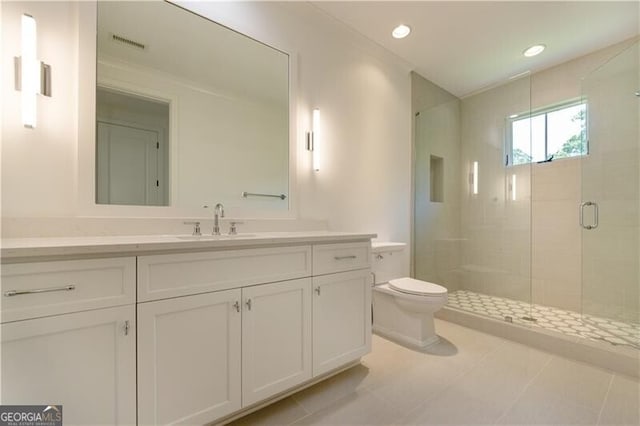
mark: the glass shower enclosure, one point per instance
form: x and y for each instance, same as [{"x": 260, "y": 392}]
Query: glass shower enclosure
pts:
[
  {"x": 522, "y": 237},
  {"x": 610, "y": 209}
]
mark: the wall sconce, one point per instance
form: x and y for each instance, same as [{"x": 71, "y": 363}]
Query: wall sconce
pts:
[
  {"x": 473, "y": 179},
  {"x": 313, "y": 139},
  {"x": 32, "y": 76}
]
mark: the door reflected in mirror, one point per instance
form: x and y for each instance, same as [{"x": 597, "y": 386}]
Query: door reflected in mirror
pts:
[
  {"x": 131, "y": 148},
  {"x": 188, "y": 112}
]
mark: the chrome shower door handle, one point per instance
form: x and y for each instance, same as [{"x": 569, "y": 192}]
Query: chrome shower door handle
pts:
[
  {"x": 582, "y": 214},
  {"x": 595, "y": 214}
]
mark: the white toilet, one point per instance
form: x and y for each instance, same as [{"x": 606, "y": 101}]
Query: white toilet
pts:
[{"x": 403, "y": 308}]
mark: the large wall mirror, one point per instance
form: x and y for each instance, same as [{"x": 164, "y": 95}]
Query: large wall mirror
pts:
[{"x": 188, "y": 112}]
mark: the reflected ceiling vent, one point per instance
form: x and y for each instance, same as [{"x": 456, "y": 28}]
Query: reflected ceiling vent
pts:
[{"x": 128, "y": 42}]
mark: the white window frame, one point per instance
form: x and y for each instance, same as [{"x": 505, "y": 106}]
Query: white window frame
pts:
[{"x": 508, "y": 154}]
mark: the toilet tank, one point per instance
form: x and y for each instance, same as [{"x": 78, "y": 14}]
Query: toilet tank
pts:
[{"x": 388, "y": 261}]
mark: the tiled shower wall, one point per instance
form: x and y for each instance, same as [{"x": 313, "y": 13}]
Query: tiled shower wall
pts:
[
  {"x": 532, "y": 248},
  {"x": 495, "y": 228},
  {"x": 556, "y": 276},
  {"x": 611, "y": 177}
]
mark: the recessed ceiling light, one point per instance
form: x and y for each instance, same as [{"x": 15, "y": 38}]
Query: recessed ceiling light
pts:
[
  {"x": 534, "y": 50},
  {"x": 401, "y": 31}
]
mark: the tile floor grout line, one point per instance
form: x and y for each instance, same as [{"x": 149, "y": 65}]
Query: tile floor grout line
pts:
[
  {"x": 373, "y": 395},
  {"x": 525, "y": 388},
  {"x": 483, "y": 353},
  {"x": 335, "y": 402},
  {"x": 606, "y": 397},
  {"x": 293, "y": 397},
  {"x": 456, "y": 379},
  {"x": 297, "y": 421}
]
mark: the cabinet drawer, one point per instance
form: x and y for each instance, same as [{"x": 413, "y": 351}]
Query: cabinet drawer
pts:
[
  {"x": 31, "y": 290},
  {"x": 330, "y": 258},
  {"x": 171, "y": 275}
]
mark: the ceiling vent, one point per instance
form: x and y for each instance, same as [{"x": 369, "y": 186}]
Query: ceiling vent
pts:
[{"x": 128, "y": 42}]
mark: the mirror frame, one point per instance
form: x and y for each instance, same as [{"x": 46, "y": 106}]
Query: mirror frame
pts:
[{"x": 86, "y": 161}]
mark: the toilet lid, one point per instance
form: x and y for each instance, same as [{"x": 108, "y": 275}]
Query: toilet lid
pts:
[{"x": 417, "y": 287}]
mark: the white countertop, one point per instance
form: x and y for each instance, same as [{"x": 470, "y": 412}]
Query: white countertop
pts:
[
  {"x": 16, "y": 248},
  {"x": 383, "y": 246}
]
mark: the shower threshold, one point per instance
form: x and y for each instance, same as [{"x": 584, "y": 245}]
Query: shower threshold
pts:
[{"x": 604, "y": 342}]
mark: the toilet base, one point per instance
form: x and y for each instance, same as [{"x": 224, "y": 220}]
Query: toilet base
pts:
[
  {"x": 395, "y": 323},
  {"x": 405, "y": 340}
]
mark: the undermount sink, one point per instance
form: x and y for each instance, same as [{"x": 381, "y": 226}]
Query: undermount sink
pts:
[{"x": 214, "y": 237}]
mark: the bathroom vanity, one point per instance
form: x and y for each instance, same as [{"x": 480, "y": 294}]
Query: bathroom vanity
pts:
[{"x": 175, "y": 329}]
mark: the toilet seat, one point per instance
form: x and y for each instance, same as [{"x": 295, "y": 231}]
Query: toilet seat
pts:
[{"x": 417, "y": 287}]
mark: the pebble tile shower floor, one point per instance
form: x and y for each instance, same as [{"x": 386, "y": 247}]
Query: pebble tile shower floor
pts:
[{"x": 554, "y": 319}]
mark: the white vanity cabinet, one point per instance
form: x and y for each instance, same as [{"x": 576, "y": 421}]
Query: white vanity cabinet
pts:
[
  {"x": 77, "y": 356},
  {"x": 189, "y": 358},
  {"x": 341, "y": 304},
  {"x": 187, "y": 332},
  {"x": 205, "y": 356},
  {"x": 276, "y": 338},
  {"x": 341, "y": 319}
]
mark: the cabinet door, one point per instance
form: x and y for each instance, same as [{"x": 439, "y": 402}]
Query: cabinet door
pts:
[
  {"x": 189, "y": 358},
  {"x": 85, "y": 361},
  {"x": 276, "y": 338},
  {"x": 341, "y": 319}
]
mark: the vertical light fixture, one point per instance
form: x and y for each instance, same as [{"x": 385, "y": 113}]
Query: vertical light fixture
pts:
[
  {"x": 475, "y": 178},
  {"x": 313, "y": 139},
  {"x": 28, "y": 76},
  {"x": 32, "y": 76},
  {"x": 513, "y": 187}
]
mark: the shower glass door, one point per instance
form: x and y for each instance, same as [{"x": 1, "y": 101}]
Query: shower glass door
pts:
[
  {"x": 610, "y": 208},
  {"x": 437, "y": 194},
  {"x": 494, "y": 275}
]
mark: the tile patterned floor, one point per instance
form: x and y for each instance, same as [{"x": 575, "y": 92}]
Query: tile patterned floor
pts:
[
  {"x": 468, "y": 378},
  {"x": 554, "y": 319}
]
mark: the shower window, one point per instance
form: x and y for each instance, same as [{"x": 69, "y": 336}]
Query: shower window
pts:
[{"x": 547, "y": 134}]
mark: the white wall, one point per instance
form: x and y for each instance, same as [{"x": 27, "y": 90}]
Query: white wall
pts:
[
  {"x": 362, "y": 91},
  {"x": 39, "y": 165}
]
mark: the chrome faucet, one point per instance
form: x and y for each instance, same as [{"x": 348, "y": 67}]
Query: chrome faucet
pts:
[{"x": 218, "y": 212}]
